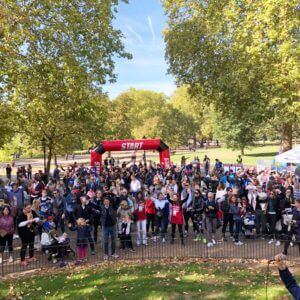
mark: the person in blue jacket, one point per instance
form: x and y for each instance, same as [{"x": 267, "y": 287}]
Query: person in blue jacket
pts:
[{"x": 286, "y": 276}]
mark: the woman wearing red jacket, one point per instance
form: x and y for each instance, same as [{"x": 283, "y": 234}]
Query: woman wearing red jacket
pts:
[
  {"x": 140, "y": 212},
  {"x": 150, "y": 214},
  {"x": 176, "y": 215}
]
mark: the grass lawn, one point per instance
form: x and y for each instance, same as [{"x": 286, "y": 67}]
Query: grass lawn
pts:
[
  {"x": 229, "y": 156},
  {"x": 164, "y": 280}
]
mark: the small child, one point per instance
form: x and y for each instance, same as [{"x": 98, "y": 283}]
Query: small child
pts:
[
  {"x": 125, "y": 235},
  {"x": 83, "y": 234}
]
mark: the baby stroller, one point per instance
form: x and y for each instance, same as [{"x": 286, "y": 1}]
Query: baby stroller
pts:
[
  {"x": 249, "y": 225},
  {"x": 56, "y": 247}
]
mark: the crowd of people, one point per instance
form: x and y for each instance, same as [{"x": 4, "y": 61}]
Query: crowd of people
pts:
[{"x": 143, "y": 200}]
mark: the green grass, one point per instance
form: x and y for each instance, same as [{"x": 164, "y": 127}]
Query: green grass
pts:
[
  {"x": 229, "y": 156},
  {"x": 168, "y": 280}
]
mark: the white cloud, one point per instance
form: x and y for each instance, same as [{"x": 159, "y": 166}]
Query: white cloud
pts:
[
  {"x": 151, "y": 28},
  {"x": 138, "y": 36}
]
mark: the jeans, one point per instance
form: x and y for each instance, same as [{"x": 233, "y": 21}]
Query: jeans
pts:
[
  {"x": 272, "y": 223},
  {"x": 260, "y": 222},
  {"x": 237, "y": 229},
  {"x": 29, "y": 241},
  {"x": 96, "y": 224},
  {"x": 211, "y": 227},
  {"x": 227, "y": 218},
  {"x": 8, "y": 238},
  {"x": 141, "y": 232},
  {"x": 150, "y": 222},
  {"x": 187, "y": 214},
  {"x": 106, "y": 232},
  {"x": 160, "y": 222}
]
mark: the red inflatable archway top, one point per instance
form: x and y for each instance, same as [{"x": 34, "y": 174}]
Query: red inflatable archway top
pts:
[{"x": 128, "y": 145}]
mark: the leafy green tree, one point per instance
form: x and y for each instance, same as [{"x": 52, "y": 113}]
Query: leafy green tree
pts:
[
  {"x": 55, "y": 56},
  {"x": 240, "y": 53}
]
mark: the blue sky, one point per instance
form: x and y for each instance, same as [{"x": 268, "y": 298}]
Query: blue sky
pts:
[{"x": 142, "y": 22}]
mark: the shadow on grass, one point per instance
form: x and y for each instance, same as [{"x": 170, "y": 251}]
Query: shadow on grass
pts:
[
  {"x": 261, "y": 154},
  {"x": 152, "y": 281}
]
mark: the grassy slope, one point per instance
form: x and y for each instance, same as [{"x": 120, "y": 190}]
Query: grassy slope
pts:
[
  {"x": 229, "y": 156},
  {"x": 208, "y": 280}
]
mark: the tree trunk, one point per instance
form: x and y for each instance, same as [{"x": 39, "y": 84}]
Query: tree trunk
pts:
[
  {"x": 243, "y": 151},
  {"x": 48, "y": 165},
  {"x": 55, "y": 159},
  {"x": 195, "y": 141},
  {"x": 286, "y": 137}
]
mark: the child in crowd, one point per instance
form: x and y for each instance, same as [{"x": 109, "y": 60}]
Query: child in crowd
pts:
[
  {"x": 140, "y": 212},
  {"x": 125, "y": 235},
  {"x": 83, "y": 234}
]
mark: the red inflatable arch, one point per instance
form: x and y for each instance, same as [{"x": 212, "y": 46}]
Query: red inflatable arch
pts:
[{"x": 127, "y": 145}]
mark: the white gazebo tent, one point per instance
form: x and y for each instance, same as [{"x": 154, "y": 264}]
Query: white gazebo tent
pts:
[{"x": 289, "y": 157}]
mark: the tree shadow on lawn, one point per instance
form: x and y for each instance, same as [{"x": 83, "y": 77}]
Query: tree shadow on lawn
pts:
[
  {"x": 262, "y": 154},
  {"x": 154, "y": 281}
]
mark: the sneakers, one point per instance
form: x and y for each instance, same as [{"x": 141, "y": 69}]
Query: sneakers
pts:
[
  {"x": 164, "y": 240},
  {"x": 277, "y": 243},
  {"x": 204, "y": 240},
  {"x": 210, "y": 244},
  {"x": 131, "y": 250},
  {"x": 213, "y": 241},
  {"x": 10, "y": 259},
  {"x": 239, "y": 243},
  {"x": 105, "y": 257},
  {"x": 145, "y": 244},
  {"x": 15, "y": 236},
  {"x": 115, "y": 256},
  {"x": 93, "y": 252},
  {"x": 0, "y": 260},
  {"x": 270, "y": 241}
]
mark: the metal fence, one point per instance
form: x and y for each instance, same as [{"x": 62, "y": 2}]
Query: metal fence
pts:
[{"x": 59, "y": 255}]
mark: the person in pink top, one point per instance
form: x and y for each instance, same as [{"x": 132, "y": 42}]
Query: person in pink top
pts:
[{"x": 6, "y": 232}]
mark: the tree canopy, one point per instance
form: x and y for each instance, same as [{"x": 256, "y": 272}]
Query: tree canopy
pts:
[{"x": 241, "y": 54}]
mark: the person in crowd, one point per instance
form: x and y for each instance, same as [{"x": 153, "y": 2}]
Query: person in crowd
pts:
[
  {"x": 85, "y": 211},
  {"x": 96, "y": 203},
  {"x": 141, "y": 220},
  {"x": 197, "y": 211},
  {"x": 150, "y": 214},
  {"x": 135, "y": 185},
  {"x": 83, "y": 235},
  {"x": 176, "y": 217},
  {"x": 29, "y": 171},
  {"x": 46, "y": 205},
  {"x": 125, "y": 233},
  {"x": 273, "y": 210},
  {"x": 236, "y": 210},
  {"x": 227, "y": 215},
  {"x": 188, "y": 193},
  {"x": 294, "y": 228},
  {"x": 27, "y": 223},
  {"x": 211, "y": 211},
  {"x": 161, "y": 217},
  {"x": 6, "y": 232},
  {"x": 16, "y": 197},
  {"x": 108, "y": 221},
  {"x": 8, "y": 170},
  {"x": 59, "y": 205}
]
